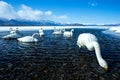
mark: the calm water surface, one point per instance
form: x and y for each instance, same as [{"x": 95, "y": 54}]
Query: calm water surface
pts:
[{"x": 58, "y": 58}]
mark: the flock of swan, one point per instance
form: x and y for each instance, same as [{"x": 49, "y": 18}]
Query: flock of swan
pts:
[
  {"x": 87, "y": 40},
  {"x": 14, "y": 33}
]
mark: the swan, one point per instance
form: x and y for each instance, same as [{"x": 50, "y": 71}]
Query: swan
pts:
[
  {"x": 68, "y": 33},
  {"x": 12, "y": 31},
  {"x": 29, "y": 39},
  {"x": 41, "y": 32},
  {"x": 89, "y": 41},
  {"x": 13, "y": 34},
  {"x": 57, "y": 31}
]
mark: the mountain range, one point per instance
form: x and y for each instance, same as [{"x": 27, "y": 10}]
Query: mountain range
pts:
[{"x": 13, "y": 22}]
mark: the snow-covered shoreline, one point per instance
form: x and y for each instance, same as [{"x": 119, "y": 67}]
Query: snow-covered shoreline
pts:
[
  {"x": 23, "y": 28},
  {"x": 113, "y": 31}
]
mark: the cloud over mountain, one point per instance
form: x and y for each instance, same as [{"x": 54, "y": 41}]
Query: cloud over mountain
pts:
[
  {"x": 25, "y": 12},
  {"x": 48, "y": 13},
  {"x": 29, "y": 14},
  {"x": 7, "y": 11}
]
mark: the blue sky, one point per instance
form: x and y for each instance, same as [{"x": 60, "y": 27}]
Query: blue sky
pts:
[{"x": 64, "y": 11}]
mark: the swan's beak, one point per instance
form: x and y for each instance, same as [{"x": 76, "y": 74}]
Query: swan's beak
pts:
[{"x": 106, "y": 68}]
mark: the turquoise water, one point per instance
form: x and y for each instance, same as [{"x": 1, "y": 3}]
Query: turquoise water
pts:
[{"x": 58, "y": 58}]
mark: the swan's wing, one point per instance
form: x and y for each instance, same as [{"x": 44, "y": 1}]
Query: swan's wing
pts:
[{"x": 25, "y": 39}]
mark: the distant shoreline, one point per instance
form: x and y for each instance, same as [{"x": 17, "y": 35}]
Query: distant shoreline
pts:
[{"x": 23, "y": 28}]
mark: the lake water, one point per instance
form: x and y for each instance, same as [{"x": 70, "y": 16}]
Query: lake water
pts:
[{"x": 58, "y": 58}]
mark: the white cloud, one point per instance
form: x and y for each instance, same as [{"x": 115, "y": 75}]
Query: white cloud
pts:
[
  {"x": 28, "y": 13},
  {"x": 48, "y": 13},
  {"x": 61, "y": 17},
  {"x": 93, "y": 3},
  {"x": 7, "y": 11}
]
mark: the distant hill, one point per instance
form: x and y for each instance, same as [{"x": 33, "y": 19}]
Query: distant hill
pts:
[{"x": 12, "y": 22}]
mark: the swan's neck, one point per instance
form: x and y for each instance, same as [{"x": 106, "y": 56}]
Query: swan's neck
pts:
[
  {"x": 97, "y": 51},
  {"x": 34, "y": 35},
  {"x": 71, "y": 32}
]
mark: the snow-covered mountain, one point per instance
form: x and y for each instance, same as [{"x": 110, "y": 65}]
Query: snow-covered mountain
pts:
[{"x": 12, "y": 22}]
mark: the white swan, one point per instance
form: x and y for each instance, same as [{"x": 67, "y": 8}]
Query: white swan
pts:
[
  {"x": 68, "y": 33},
  {"x": 29, "y": 39},
  {"x": 90, "y": 42},
  {"x": 57, "y": 31},
  {"x": 13, "y": 34},
  {"x": 41, "y": 32},
  {"x": 12, "y": 31}
]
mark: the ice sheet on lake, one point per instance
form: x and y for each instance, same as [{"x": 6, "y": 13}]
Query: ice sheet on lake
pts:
[
  {"x": 7, "y": 28},
  {"x": 113, "y": 31}
]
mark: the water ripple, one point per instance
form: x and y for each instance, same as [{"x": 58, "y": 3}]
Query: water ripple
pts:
[{"x": 58, "y": 58}]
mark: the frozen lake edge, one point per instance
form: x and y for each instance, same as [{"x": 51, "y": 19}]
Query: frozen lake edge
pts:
[{"x": 6, "y": 28}]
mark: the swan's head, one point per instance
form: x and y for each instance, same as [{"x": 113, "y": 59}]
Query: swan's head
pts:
[
  {"x": 103, "y": 64},
  {"x": 63, "y": 30},
  {"x": 72, "y": 30},
  {"x": 40, "y": 30}
]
